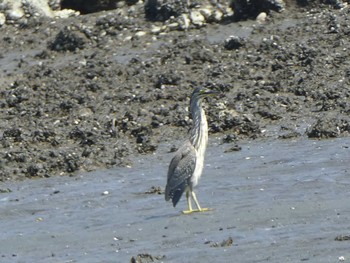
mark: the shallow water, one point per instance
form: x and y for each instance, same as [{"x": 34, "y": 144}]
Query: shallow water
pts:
[{"x": 280, "y": 201}]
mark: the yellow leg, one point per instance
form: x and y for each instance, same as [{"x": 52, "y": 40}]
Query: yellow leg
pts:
[
  {"x": 189, "y": 204},
  {"x": 190, "y": 210}
]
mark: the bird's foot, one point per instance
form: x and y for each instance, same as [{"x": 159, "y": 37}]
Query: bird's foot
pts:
[{"x": 186, "y": 212}]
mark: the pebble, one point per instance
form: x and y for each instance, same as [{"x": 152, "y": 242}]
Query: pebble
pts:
[
  {"x": 217, "y": 15},
  {"x": 197, "y": 18},
  {"x": 15, "y": 14},
  {"x": 140, "y": 34},
  {"x": 156, "y": 29},
  {"x": 128, "y": 38},
  {"x": 2, "y": 19},
  {"x": 173, "y": 25},
  {"x": 65, "y": 13},
  {"x": 228, "y": 11},
  {"x": 85, "y": 112},
  {"x": 233, "y": 42},
  {"x": 184, "y": 21},
  {"x": 205, "y": 12},
  {"x": 261, "y": 18}
]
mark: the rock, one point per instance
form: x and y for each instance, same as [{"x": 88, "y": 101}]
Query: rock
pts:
[
  {"x": 158, "y": 11},
  {"x": 225, "y": 243},
  {"x": 38, "y": 6},
  {"x": 143, "y": 258},
  {"x": 89, "y": 6},
  {"x": 173, "y": 26},
  {"x": 184, "y": 21},
  {"x": 67, "y": 40},
  {"x": 217, "y": 16},
  {"x": 65, "y": 13},
  {"x": 327, "y": 127},
  {"x": 156, "y": 29},
  {"x": 2, "y": 19},
  {"x": 206, "y": 12},
  {"x": 261, "y": 18},
  {"x": 234, "y": 42},
  {"x": 140, "y": 34},
  {"x": 85, "y": 112},
  {"x": 250, "y": 9},
  {"x": 227, "y": 11},
  {"x": 15, "y": 12},
  {"x": 18, "y": 9},
  {"x": 197, "y": 18},
  {"x": 127, "y": 38}
]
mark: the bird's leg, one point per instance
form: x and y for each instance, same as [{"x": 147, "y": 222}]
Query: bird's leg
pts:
[
  {"x": 197, "y": 204},
  {"x": 188, "y": 197},
  {"x": 190, "y": 210}
]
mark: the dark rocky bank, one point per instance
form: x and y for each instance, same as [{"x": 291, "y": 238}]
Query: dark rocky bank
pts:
[{"x": 93, "y": 91}]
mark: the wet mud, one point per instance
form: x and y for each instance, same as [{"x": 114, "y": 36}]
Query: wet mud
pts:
[{"x": 274, "y": 201}]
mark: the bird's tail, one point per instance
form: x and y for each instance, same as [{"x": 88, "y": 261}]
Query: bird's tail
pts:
[{"x": 174, "y": 193}]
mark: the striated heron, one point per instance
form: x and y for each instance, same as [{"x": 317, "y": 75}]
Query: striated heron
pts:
[{"x": 186, "y": 167}]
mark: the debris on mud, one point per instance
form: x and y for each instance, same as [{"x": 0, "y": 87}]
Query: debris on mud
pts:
[
  {"x": 155, "y": 190},
  {"x": 342, "y": 238},
  {"x": 5, "y": 190},
  {"x": 145, "y": 258},
  {"x": 289, "y": 135},
  {"x": 234, "y": 148},
  {"x": 228, "y": 138},
  {"x": 225, "y": 243}
]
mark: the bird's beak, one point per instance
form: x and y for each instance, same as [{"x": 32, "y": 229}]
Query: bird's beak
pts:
[{"x": 211, "y": 92}]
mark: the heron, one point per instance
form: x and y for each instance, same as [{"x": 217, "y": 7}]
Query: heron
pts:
[{"x": 186, "y": 167}]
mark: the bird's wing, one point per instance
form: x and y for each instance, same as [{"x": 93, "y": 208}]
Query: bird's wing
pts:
[{"x": 180, "y": 169}]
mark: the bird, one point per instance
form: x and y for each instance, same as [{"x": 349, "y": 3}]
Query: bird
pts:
[{"x": 185, "y": 168}]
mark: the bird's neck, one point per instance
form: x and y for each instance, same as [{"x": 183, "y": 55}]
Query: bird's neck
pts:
[{"x": 199, "y": 131}]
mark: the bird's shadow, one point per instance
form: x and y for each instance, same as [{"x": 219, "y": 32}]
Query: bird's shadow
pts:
[{"x": 169, "y": 215}]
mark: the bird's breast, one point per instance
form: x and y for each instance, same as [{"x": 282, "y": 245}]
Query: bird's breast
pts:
[{"x": 200, "y": 153}]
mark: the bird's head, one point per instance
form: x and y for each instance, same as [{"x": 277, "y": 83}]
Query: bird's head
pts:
[
  {"x": 203, "y": 92},
  {"x": 198, "y": 94}
]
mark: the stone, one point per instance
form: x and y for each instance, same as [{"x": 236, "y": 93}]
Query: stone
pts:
[
  {"x": 2, "y": 19},
  {"x": 261, "y": 18},
  {"x": 197, "y": 18}
]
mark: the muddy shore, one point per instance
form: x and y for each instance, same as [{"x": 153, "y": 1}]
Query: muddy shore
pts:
[
  {"x": 273, "y": 201},
  {"x": 87, "y": 92}
]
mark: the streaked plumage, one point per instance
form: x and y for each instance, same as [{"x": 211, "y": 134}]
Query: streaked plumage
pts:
[
  {"x": 181, "y": 168},
  {"x": 186, "y": 167}
]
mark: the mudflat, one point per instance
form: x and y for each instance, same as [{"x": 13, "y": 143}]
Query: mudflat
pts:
[{"x": 275, "y": 201}]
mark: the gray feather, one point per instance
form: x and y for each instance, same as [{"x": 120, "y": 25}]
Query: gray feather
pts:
[{"x": 180, "y": 171}]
